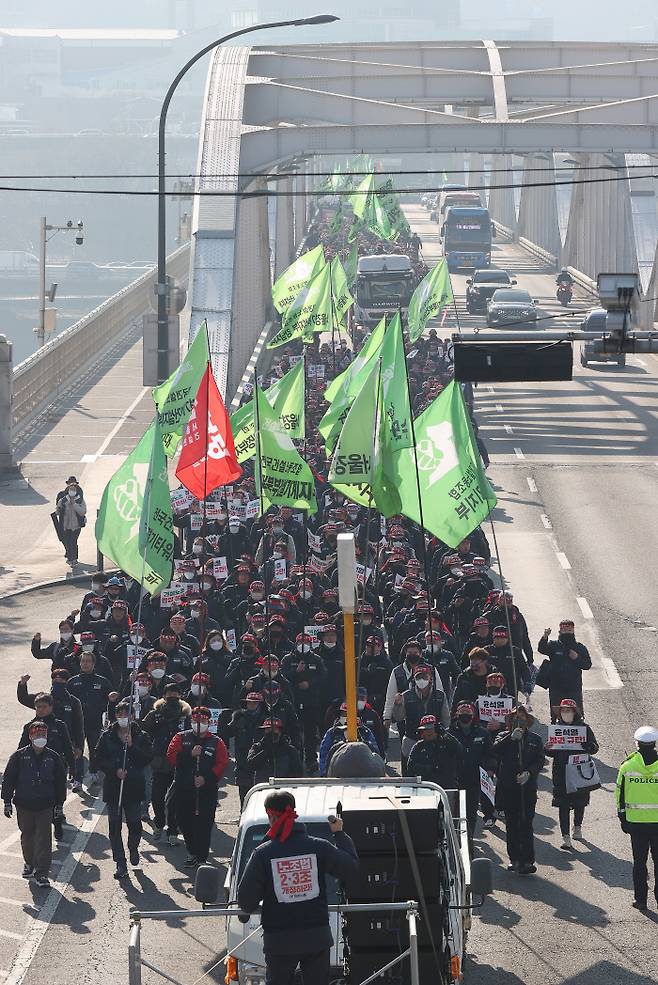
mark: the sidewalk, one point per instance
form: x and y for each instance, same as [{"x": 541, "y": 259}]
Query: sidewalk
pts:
[{"x": 88, "y": 435}]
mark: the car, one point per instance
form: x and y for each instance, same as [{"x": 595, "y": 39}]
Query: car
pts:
[
  {"x": 510, "y": 306},
  {"x": 481, "y": 286}
]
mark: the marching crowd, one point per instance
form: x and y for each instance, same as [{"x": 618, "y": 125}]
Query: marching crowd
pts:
[{"x": 251, "y": 660}]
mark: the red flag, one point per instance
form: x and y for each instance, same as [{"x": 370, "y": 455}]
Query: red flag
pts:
[{"x": 207, "y": 459}]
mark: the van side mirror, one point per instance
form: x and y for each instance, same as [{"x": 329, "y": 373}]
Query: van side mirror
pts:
[
  {"x": 481, "y": 877},
  {"x": 207, "y": 882},
  {"x": 514, "y": 281}
]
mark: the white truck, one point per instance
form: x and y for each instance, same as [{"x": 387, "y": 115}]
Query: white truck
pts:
[{"x": 443, "y": 921}]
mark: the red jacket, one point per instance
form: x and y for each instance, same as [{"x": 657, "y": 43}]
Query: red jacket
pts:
[{"x": 213, "y": 759}]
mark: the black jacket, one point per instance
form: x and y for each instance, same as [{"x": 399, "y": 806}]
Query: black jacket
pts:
[
  {"x": 66, "y": 707},
  {"x": 565, "y": 675},
  {"x": 437, "y": 761},
  {"x": 508, "y": 765},
  {"x": 268, "y": 758},
  {"x": 275, "y": 870},
  {"x": 34, "y": 781},
  {"x": 59, "y": 739},
  {"x": 162, "y": 724},
  {"x": 92, "y": 691},
  {"x": 243, "y": 728},
  {"x": 477, "y": 751},
  {"x": 110, "y": 758}
]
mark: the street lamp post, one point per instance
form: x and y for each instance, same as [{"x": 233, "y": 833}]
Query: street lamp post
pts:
[
  {"x": 44, "y": 229},
  {"x": 161, "y": 286}
]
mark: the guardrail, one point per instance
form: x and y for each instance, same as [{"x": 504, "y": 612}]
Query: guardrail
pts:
[
  {"x": 42, "y": 378},
  {"x": 250, "y": 371}
]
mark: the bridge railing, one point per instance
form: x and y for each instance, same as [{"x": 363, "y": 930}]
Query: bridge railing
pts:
[{"x": 43, "y": 377}]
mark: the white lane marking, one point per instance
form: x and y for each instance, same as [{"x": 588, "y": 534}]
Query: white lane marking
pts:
[
  {"x": 519, "y": 453},
  {"x": 11, "y": 934},
  {"x": 488, "y": 387},
  {"x": 10, "y": 840},
  {"x": 122, "y": 420},
  {"x": 499, "y": 408},
  {"x": 87, "y": 459},
  {"x": 546, "y": 521},
  {"x": 611, "y": 672},
  {"x": 509, "y": 428},
  {"x": 5, "y": 901},
  {"x": 563, "y": 560},
  {"x": 640, "y": 362},
  {"x": 11, "y": 875},
  {"x": 532, "y": 485},
  {"x": 583, "y": 605},
  {"x": 32, "y": 939}
]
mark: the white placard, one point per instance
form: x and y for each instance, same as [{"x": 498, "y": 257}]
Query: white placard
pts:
[
  {"x": 253, "y": 509},
  {"x": 313, "y": 631},
  {"x": 134, "y": 655},
  {"x": 567, "y": 736},
  {"x": 238, "y": 512},
  {"x": 195, "y": 521},
  {"x": 280, "y": 569},
  {"x": 214, "y": 510},
  {"x": 214, "y": 719},
  {"x": 488, "y": 786},
  {"x": 314, "y": 541},
  {"x": 220, "y": 568},
  {"x": 492, "y": 709},
  {"x": 362, "y": 573},
  {"x": 181, "y": 499},
  {"x": 231, "y": 640},
  {"x": 169, "y": 597}
]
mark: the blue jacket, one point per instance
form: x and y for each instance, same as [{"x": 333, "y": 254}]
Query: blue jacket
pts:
[
  {"x": 277, "y": 872},
  {"x": 335, "y": 734}
]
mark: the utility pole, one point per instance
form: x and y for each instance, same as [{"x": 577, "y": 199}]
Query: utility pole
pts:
[{"x": 44, "y": 229}]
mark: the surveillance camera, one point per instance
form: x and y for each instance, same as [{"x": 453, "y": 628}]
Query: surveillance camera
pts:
[
  {"x": 80, "y": 224},
  {"x": 69, "y": 224},
  {"x": 79, "y": 239}
]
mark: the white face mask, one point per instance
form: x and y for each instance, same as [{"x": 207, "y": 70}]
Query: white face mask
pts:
[
  {"x": 189, "y": 575},
  {"x": 306, "y": 595},
  {"x": 72, "y": 493},
  {"x": 197, "y": 549},
  {"x": 257, "y": 596},
  {"x": 196, "y": 690},
  {"x": 136, "y": 638},
  {"x": 567, "y": 717},
  {"x": 277, "y": 555},
  {"x": 157, "y": 672},
  {"x": 234, "y": 527},
  {"x": 421, "y": 682},
  {"x": 342, "y": 720},
  {"x": 207, "y": 585},
  {"x": 87, "y": 647},
  {"x": 97, "y": 586},
  {"x": 39, "y": 743},
  {"x": 128, "y": 582},
  {"x": 66, "y": 636},
  {"x": 360, "y": 705},
  {"x": 142, "y": 690},
  {"x": 216, "y": 645},
  {"x": 201, "y": 728},
  {"x": 329, "y": 644},
  {"x": 95, "y": 613},
  {"x": 302, "y": 648},
  {"x": 195, "y": 613},
  {"x": 278, "y": 529},
  {"x": 122, "y": 722}
]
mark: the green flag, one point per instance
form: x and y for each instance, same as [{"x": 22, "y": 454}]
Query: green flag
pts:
[
  {"x": 351, "y": 266},
  {"x": 430, "y": 297},
  {"x": 288, "y": 401},
  {"x": 175, "y": 397},
  {"x": 134, "y": 523},
  {"x": 377, "y": 218},
  {"x": 343, "y": 300},
  {"x": 360, "y": 199},
  {"x": 346, "y": 386},
  {"x": 456, "y": 494},
  {"x": 353, "y": 462},
  {"x": 295, "y": 277},
  {"x": 309, "y": 312},
  {"x": 395, "y": 390},
  {"x": 282, "y": 475},
  {"x": 242, "y": 421}
]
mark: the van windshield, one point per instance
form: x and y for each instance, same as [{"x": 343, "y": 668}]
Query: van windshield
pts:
[{"x": 255, "y": 835}]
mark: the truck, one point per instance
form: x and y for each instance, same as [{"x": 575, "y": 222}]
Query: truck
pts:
[
  {"x": 376, "y": 813},
  {"x": 467, "y": 233},
  {"x": 384, "y": 285}
]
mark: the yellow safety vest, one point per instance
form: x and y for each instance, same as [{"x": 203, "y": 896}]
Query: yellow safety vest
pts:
[{"x": 640, "y": 783}]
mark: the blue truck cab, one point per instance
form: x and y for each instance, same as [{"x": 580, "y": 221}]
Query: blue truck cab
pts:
[{"x": 467, "y": 233}]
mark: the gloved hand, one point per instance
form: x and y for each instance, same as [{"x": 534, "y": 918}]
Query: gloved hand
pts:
[
  {"x": 9, "y": 810},
  {"x": 522, "y": 778},
  {"x": 517, "y": 735},
  {"x": 625, "y": 827}
]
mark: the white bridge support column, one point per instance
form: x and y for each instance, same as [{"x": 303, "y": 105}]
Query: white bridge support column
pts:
[
  {"x": 300, "y": 209},
  {"x": 501, "y": 200},
  {"x": 252, "y": 289},
  {"x": 284, "y": 248},
  {"x": 600, "y": 236},
  {"x": 538, "y": 216}
]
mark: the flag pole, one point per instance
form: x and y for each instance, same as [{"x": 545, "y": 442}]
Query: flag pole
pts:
[
  {"x": 372, "y": 476},
  {"x": 333, "y": 316},
  {"x": 420, "y": 498},
  {"x": 304, "y": 604}
]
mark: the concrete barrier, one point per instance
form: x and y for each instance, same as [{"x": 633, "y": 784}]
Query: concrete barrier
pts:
[{"x": 42, "y": 378}]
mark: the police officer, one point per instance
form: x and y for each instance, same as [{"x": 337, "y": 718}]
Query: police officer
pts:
[
  {"x": 637, "y": 809},
  {"x": 520, "y": 760},
  {"x": 295, "y": 917},
  {"x": 199, "y": 759}
]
